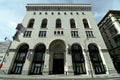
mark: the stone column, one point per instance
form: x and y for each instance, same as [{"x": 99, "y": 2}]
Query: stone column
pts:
[
  {"x": 28, "y": 61},
  {"x": 69, "y": 63},
  {"x": 88, "y": 64},
  {"x": 46, "y": 63}
]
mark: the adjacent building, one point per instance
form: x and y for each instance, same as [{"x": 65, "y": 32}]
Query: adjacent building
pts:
[
  {"x": 58, "y": 41},
  {"x": 110, "y": 29}
]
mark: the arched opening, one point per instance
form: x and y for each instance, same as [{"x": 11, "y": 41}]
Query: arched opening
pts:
[
  {"x": 96, "y": 60},
  {"x": 78, "y": 59},
  {"x": 72, "y": 23},
  {"x": 58, "y": 23},
  {"x": 44, "y": 23},
  {"x": 57, "y": 57},
  {"x": 19, "y": 59},
  {"x": 38, "y": 60},
  {"x": 31, "y": 23},
  {"x": 85, "y": 22}
]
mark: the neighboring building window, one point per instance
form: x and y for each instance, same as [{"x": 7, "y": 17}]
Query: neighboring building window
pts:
[
  {"x": 96, "y": 60},
  {"x": 112, "y": 30},
  {"x": 117, "y": 40},
  {"x": 19, "y": 60},
  {"x": 38, "y": 60},
  {"x": 31, "y": 23},
  {"x": 42, "y": 34},
  {"x": 78, "y": 59},
  {"x": 85, "y": 22},
  {"x": 27, "y": 34},
  {"x": 72, "y": 23},
  {"x": 58, "y": 33},
  {"x": 58, "y": 23},
  {"x": 44, "y": 23},
  {"x": 74, "y": 34},
  {"x": 89, "y": 34}
]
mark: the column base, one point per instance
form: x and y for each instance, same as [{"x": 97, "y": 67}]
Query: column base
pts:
[{"x": 45, "y": 71}]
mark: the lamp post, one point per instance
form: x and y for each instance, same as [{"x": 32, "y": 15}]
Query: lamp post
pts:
[{"x": 88, "y": 58}]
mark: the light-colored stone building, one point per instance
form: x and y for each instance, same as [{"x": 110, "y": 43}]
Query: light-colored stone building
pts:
[
  {"x": 110, "y": 29},
  {"x": 60, "y": 41}
]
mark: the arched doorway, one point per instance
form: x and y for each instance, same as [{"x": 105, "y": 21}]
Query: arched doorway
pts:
[
  {"x": 38, "y": 60},
  {"x": 78, "y": 59},
  {"x": 57, "y": 57},
  {"x": 19, "y": 59},
  {"x": 96, "y": 60}
]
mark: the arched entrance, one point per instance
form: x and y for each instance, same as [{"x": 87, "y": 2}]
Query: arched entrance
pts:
[
  {"x": 96, "y": 60},
  {"x": 78, "y": 59},
  {"x": 57, "y": 57},
  {"x": 20, "y": 59}
]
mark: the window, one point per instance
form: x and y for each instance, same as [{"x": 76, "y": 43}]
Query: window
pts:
[
  {"x": 85, "y": 22},
  {"x": 112, "y": 30},
  {"x": 96, "y": 60},
  {"x": 58, "y": 33},
  {"x": 38, "y": 60},
  {"x": 77, "y": 13},
  {"x": 71, "y": 13},
  {"x": 65, "y": 13},
  {"x": 19, "y": 60},
  {"x": 27, "y": 34},
  {"x": 58, "y": 23},
  {"x": 42, "y": 34},
  {"x": 58, "y": 13},
  {"x": 34, "y": 13},
  {"x": 44, "y": 23},
  {"x": 89, "y": 34},
  {"x": 117, "y": 40},
  {"x": 31, "y": 23},
  {"x": 45, "y": 13},
  {"x": 72, "y": 23},
  {"x": 74, "y": 34},
  {"x": 52, "y": 13},
  {"x": 40, "y": 13},
  {"x": 78, "y": 59}
]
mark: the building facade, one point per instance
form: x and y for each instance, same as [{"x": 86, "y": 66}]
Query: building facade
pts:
[
  {"x": 58, "y": 41},
  {"x": 110, "y": 29},
  {"x": 4, "y": 47}
]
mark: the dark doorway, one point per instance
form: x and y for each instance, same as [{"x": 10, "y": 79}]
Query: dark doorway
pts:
[{"x": 58, "y": 66}]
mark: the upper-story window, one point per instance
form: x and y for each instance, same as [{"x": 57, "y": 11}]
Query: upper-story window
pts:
[
  {"x": 44, "y": 23},
  {"x": 72, "y": 23},
  {"x": 85, "y": 22},
  {"x": 58, "y": 23},
  {"x": 31, "y": 23}
]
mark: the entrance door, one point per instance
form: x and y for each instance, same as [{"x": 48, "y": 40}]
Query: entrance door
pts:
[{"x": 58, "y": 66}]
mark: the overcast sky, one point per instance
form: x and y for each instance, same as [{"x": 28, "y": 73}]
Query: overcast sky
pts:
[{"x": 13, "y": 11}]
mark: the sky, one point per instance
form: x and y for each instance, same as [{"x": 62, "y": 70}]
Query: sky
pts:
[{"x": 13, "y": 11}]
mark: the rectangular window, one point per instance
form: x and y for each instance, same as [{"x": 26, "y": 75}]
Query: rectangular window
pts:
[
  {"x": 58, "y": 33},
  {"x": 74, "y": 34},
  {"x": 117, "y": 40},
  {"x": 112, "y": 30},
  {"x": 27, "y": 34},
  {"x": 42, "y": 34},
  {"x": 89, "y": 34}
]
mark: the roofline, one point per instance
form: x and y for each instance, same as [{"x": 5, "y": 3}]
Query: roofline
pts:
[
  {"x": 110, "y": 11},
  {"x": 56, "y": 4}
]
